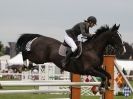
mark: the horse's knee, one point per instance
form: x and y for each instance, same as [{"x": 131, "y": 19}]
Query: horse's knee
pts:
[
  {"x": 103, "y": 77},
  {"x": 108, "y": 76}
]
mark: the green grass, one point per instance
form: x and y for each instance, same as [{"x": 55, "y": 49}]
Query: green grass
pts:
[
  {"x": 40, "y": 96},
  {"x": 44, "y": 96},
  {"x": 30, "y": 96},
  {"x": 49, "y": 96}
]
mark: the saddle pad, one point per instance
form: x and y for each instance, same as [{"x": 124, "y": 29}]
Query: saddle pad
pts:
[{"x": 62, "y": 50}]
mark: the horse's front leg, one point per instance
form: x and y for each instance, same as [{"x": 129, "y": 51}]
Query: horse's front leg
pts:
[
  {"x": 108, "y": 83},
  {"x": 96, "y": 73}
]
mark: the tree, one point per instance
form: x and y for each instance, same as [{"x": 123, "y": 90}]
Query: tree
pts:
[
  {"x": 110, "y": 50},
  {"x": 7, "y": 50},
  {"x": 128, "y": 53},
  {"x": 4, "y": 50},
  {"x": 1, "y": 49}
]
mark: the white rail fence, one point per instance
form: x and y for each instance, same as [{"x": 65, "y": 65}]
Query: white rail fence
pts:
[
  {"x": 49, "y": 84},
  {"x": 33, "y": 91},
  {"x": 42, "y": 83}
]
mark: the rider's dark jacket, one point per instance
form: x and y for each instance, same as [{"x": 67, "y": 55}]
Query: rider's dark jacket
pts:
[{"x": 80, "y": 28}]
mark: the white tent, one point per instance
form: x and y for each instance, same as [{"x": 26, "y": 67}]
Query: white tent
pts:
[
  {"x": 126, "y": 64},
  {"x": 16, "y": 60}
]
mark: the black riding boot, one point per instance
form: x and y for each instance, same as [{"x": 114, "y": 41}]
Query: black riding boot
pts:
[{"x": 66, "y": 60}]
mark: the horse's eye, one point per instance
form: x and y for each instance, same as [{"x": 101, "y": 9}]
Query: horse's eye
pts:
[{"x": 113, "y": 36}]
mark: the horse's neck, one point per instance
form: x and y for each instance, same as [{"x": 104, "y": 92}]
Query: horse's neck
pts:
[{"x": 99, "y": 43}]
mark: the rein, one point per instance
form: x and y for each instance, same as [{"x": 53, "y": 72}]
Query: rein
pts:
[{"x": 122, "y": 43}]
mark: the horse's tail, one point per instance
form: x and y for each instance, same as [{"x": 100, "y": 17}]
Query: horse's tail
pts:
[{"x": 23, "y": 40}]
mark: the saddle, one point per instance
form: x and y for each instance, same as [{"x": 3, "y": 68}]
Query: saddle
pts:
[{"x": 64, "y": 47}]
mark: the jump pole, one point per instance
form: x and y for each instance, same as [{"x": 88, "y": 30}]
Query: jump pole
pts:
[
  {"x": 75, "y": 90},
  {"x": 109, "y": 64}
]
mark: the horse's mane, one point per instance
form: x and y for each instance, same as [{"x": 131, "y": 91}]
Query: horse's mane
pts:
[
  {"x": 99, "y": 31},
  {"x": 102, "y": 29},
  {"x": 24, "y": 39}
]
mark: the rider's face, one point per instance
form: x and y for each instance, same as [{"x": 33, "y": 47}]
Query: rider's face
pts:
[{"x": 92, "y": 24}]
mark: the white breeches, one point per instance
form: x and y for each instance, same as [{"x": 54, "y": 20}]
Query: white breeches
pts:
[{"x": 70, "y": 42}]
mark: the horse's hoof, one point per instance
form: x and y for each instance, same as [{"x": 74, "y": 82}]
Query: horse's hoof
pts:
[
  {"x": 101, "y": 90},
  {"x": 107, "y": 87}
]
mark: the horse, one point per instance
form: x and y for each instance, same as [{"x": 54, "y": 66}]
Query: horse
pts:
[{"x": 45, "y": 49}]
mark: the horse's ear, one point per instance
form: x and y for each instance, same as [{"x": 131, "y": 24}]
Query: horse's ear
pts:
[
  {"x": 117, "y": 27},
  {"x": 113, "y": 27}
]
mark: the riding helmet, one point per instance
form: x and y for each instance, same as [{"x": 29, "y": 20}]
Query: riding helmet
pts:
[{"x": 92, "y": 19}]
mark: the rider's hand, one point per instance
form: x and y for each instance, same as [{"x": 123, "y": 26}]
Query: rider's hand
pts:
[{"x": 89, "y": 35}]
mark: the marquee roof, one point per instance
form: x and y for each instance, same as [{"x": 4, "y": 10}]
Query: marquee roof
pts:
[
  {"x": 16, "y": 60},
  {"x": 126, "y": 64}
]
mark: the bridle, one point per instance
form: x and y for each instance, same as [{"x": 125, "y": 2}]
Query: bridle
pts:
[{"x": 122, "y": 42}]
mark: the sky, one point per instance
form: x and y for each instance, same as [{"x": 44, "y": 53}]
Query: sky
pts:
[{"x": 52, "y": 17}]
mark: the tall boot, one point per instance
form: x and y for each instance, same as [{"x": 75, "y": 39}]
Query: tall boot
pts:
[{"x": 67, "y": 58}]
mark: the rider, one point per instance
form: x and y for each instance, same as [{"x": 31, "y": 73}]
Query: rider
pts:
[{"x": 71, "y": 35}]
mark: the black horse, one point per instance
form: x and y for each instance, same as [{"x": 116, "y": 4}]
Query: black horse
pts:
[{"x": 45, "y": 49}]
